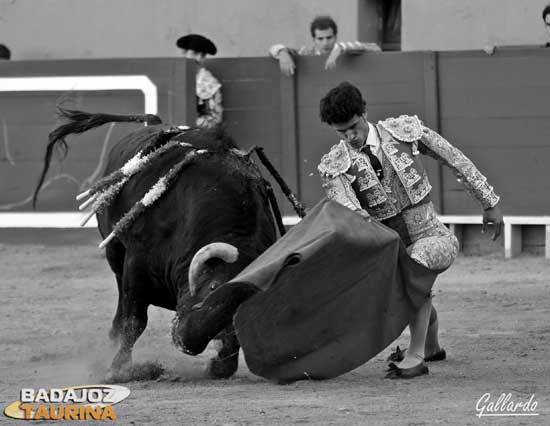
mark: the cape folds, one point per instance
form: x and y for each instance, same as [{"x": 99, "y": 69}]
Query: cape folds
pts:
[{"x": 335, "y": 291}]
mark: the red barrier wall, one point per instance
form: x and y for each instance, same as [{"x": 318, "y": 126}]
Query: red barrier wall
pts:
[
  {"x": 493, "y": 107},
  {"x": 27, "y": 117},
  {"x": 496, "y": 109}
]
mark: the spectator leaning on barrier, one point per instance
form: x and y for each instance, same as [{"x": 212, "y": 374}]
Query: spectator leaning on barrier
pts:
[
  {"x": 376, "y": 171},
  {"x": 324, "y": 32},
  {"x": 208, "y": 88},
  {"x": 546, "y": 19},
  {"x": 5, "y": 53}
]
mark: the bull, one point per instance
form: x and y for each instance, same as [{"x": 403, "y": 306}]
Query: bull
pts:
[{"x": 209, "y": 224}]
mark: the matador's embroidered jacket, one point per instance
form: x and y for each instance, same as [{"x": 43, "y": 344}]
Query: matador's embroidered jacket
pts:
[{"x": 349, "y": 178}]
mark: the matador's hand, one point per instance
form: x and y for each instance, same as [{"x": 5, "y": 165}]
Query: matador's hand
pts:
[
  {"x": 493, "y": 216},
  {"x": 333, "y": 57}
]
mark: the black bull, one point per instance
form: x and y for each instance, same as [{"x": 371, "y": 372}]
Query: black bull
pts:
[{"x": 219, "y": 198}]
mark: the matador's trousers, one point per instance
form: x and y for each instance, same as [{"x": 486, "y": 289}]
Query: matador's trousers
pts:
[{"x": 429, "y": 242}]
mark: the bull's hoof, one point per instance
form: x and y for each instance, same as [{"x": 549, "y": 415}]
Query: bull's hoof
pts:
[
  {"x": 114, "y": 336},
  {"x": 118, "y": 376},
  {"x": 135, "y": 372},
  {"x": 222, "y": 368}
]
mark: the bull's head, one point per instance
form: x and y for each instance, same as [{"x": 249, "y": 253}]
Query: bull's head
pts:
[{"x": 212, "y": 266}]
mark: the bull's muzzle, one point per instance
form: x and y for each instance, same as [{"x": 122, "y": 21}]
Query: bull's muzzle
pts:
[{"x": 212, "y": 315}]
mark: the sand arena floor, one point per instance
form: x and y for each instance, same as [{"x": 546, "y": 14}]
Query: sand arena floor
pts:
[{"x": 58, "y": 298}]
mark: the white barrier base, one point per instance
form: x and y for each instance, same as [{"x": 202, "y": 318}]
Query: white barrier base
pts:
[
  {"x": 45, "y": 220},
  {"x": 512, "y": 225},
  {"x": 68, "y": 220}
]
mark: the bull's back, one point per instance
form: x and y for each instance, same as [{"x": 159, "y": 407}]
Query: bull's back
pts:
[
  {"x": 219, "y": 191},
  {"x": 130, "y": 145}
]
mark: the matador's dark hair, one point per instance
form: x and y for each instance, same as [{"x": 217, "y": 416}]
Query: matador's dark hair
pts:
[
  {"x": 322, "y": 23},
  {"x": 545, "y": 12},
  {"x": 341, "y": 103}
]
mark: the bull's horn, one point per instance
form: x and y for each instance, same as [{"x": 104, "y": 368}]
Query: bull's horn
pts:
[{"x": 223, "y": 251}]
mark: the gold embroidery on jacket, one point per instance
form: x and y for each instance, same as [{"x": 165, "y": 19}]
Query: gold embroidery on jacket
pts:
[
  {"x": 409, "y": 170},
  {"x": 361, "y": 163},
  {"x": 368, "y": 185},
  {"x": 390, "y": 148},
  {"x": 336, "y": 162},
  {"x": 421, "y": 191},
  {"x": 366, "y": 182},
  {"x": 410, "y": 177},
  {"x": 340, "y": 190},
  {"x": 383, "y": 211},
  {"x": 375, "y": 197},
  {"x": 474, "y": 182},
  {"x": 404, "y": 128},
  {"x": 405, "y": 181},
  {"x": 401, "y": 162}
]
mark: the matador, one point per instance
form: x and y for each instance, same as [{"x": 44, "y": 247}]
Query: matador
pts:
[{"x": 376, "y": 170}]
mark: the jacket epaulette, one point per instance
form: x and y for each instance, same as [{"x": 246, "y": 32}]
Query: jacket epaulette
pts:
[
  {"x": 405, "y": 128},
  {"x": 336, "y": 162}
]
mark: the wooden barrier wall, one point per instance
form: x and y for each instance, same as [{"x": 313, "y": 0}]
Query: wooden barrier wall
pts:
[
  {"x": 493, "y": 107},
  {"x": 28, "y": 116},
  {"x": 496, "y": 109}
]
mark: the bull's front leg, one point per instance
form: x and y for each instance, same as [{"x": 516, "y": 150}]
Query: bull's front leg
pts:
[
  {"x": 133, "y": 304},
  {"x": 117, "y": 326},
  {"x": 115, "y": 253},
  {"x": 226, "y": 362}
]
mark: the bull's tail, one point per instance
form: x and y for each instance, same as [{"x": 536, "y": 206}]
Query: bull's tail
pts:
[{"x": 79, "y": 122}]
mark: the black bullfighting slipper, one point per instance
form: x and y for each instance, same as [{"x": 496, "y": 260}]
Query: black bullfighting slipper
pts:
[
  {"x": 398, "y": 355},
  {"x": 394, "y": 372},
  {"x": 440, "y": 355}
]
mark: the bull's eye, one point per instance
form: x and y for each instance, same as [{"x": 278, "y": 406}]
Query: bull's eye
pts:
[{"x": 212, "y": 287}]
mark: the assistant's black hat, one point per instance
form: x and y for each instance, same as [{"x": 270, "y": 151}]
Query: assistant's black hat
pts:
[{"x": 197, "y": 43}]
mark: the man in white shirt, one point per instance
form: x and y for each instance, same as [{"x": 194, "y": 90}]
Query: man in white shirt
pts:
[{"x": 324, "y": 32}]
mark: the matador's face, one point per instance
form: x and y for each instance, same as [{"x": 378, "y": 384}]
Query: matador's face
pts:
[{"x": 354, "y": 131}]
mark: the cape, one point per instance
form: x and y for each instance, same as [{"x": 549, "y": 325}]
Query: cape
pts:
[{"x": 335, "y": 291}]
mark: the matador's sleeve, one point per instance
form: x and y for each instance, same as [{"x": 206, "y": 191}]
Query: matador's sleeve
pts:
[
  {"x": 335, "y": 180},
  {"x": 475, "y": 183}
]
